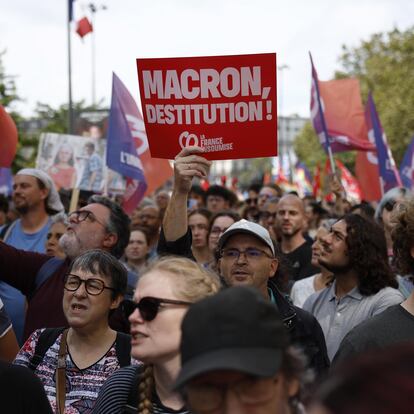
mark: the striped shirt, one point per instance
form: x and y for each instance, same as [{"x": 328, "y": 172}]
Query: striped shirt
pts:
[
  {"x": 113, "y": 396},
  {"x": 82, "y": 385}
]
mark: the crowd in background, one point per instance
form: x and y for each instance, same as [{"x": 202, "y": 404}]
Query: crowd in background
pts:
[{"x": 206, "y": 299}]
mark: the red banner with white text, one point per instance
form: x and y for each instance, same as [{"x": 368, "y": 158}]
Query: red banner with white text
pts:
[{"x": 226, "y": 104}]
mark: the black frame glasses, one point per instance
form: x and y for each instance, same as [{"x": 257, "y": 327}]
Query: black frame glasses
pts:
[
  {"x": 251, "y": 253},
  {"x": 148, "y": 307},
  {"x": 82, "y": 215},
  {"x": 93, "y": 286}
]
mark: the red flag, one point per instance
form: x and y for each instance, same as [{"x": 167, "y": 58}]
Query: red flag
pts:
[
  {"x": 8, "y": 139},
  {"x": 350, "y": 184},
  {"x": 344, "y": 115},
  {"x": 83, "y": 27},
  {"x": 366, "y": 171},
  {"x": 317, "y": 181}
]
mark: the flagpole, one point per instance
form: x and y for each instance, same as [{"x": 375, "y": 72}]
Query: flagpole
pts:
[
  {"x": 331, "y": 159},
  {"x": 325, "y": 130},
  {"x": 93, "y": 8},
  {"x": 70, "y": 106},
  {"x": 93, "y": 11}
]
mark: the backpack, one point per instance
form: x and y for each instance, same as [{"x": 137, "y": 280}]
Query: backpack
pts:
[{"x": 48, "y": 337}]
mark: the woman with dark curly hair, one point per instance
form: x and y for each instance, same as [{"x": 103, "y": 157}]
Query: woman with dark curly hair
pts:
[{"x": 355, "y": 251}]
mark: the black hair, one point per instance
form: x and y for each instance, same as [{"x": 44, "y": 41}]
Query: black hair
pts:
[
  {"x": 366, "y": 209},
  {"x": 118, "y": 223},
  {"x": 100, "y": 262},
  {"x": 224, "y": 192},
  {"x": 367, "y": 252}
]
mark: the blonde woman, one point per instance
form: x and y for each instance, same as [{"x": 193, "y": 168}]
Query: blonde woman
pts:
[{"x": 162, "y": 298}]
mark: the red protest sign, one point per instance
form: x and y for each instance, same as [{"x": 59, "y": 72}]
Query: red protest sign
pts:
[{"x": 226, "y": 104}]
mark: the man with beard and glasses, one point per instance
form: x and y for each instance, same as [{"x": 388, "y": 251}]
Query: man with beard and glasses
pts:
[
  {"x": 36, "y": 199},
  {"x": 355, "y": 251},
  {"x": 101, "y": 224},
  {"x": 245, "y": 256},
  {"x": 290, "y": 225}
]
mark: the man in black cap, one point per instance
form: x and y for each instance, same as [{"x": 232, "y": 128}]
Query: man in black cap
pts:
[{"x": 237, "y": 362}]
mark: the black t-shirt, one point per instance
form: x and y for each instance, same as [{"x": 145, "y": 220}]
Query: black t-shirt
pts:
[
  {"x": 300, "y": 262},
  {"x": 21, "y": 391},
  {"x": 394, "y": 325}
]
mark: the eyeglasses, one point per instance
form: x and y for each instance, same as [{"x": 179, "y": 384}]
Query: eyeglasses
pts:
[
  {"x": 93, "y": 286},
  {"x": 389, "y": 205},
  {"x": 208, "y": 397},
  {"x": 82, "y": 215},
  {"x": 218, "y": 230},
  {"x": 250, "y": 253},
  {"x": 148, "y": 307}
]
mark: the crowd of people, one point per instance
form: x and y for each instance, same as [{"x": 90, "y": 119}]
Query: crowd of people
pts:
[{"x": 206, "y": 301}]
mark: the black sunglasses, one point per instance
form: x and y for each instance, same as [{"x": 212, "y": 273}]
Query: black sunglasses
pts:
[
  {"x": 148, "y": 307},
  {"x": 389, "y": 205}
]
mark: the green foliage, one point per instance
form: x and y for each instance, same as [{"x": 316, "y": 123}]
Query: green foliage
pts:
[
  {"x": 57, "y": 119},
  {"x": 8, "y": 92},
  {"x": 385, "y": 66},
  {"x": 254, "y": 170},
  {"x": 309, "y": 150}
]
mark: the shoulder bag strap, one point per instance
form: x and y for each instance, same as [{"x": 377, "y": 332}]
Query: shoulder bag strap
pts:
[{"x": 61, "y": 374}]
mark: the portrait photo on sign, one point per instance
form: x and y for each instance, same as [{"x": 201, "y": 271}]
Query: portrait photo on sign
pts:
[{"x": 77, "y": 162}]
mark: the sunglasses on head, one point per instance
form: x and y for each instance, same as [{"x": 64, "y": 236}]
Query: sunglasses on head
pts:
[{"x": 148, "y": 307}]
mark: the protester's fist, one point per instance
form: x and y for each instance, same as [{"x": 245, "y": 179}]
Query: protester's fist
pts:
[{"x": 189, "y": 164}]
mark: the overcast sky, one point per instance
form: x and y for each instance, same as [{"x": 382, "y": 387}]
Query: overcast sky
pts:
[{"x": 34, "y": 34}]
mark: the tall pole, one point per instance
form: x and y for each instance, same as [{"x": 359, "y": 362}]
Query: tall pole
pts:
[
  {"x": 285, "y": 145},
  {"x": 70, "y": 105},
  {"x": 93, "y": 11}
]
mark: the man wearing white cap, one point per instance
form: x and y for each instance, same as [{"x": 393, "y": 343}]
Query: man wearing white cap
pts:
[
  {"x": 36, "y": 199},
  {"x": 246, "y": 256}
]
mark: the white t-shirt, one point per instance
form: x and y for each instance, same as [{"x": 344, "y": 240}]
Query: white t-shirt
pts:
[{"x": 301, "y": 290}]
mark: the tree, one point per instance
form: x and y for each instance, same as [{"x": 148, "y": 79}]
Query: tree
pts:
[
  {"x": 310, "y": 151},
  {"x": 385, "y": 66},
  {"x": 57, "y": 119},
  {"x": 8, "y": 93}
]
